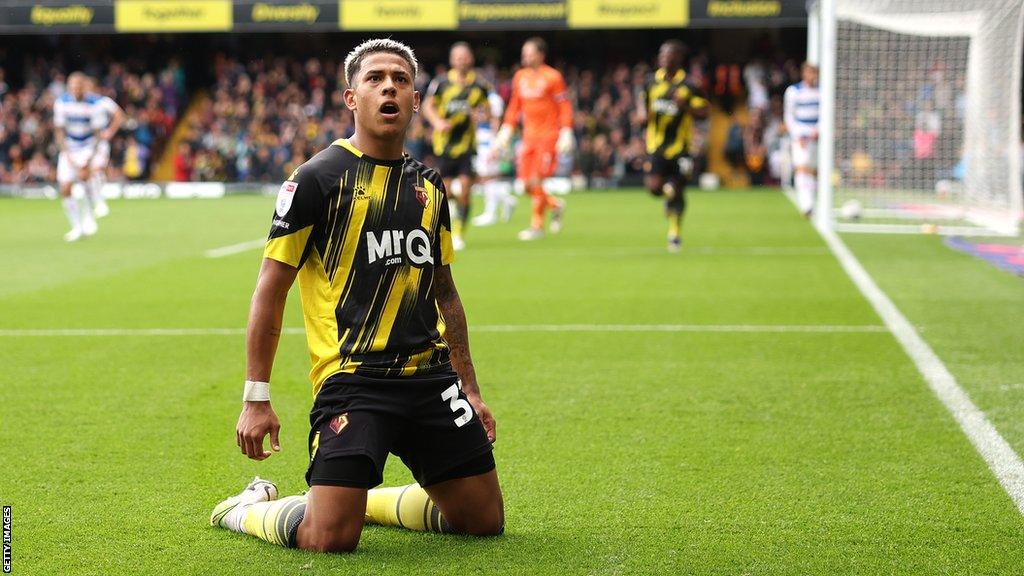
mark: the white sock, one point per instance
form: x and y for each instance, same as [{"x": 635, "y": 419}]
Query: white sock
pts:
[
  {"x": 71, "y": 211},
  {"x": 80, "y": 192},
  {"x": 491, "y": 198},
  {"x": 806, "y": 187},
  {"x": 233, "y": 520},
  {"x": 94, "y": 189},
  {"x": 507, "y": 198},
  {"x": 86, "y": 218}
]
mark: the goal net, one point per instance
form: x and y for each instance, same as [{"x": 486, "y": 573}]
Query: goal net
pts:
[{"x": 927, "y": 115}]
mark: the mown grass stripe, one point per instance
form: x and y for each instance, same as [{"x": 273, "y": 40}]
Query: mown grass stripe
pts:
[{"x": 493, "y": 328}]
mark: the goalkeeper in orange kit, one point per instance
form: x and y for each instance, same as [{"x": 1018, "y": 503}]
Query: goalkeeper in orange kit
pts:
[{"x": 539, "y": 96}]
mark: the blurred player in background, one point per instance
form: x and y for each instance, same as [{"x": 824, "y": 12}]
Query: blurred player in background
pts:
[
  {"x": 800, "y": 104},
  {"x": 539, "y": 96},
  {"x": 85, "y": 122},
  {"x": 109, "y": 121},
  {"x": 365, "y": 228},
  {"x": 669, "y": 106},
  {"x": 450, "y": 105},
  {"x": 496, "y": 190}
]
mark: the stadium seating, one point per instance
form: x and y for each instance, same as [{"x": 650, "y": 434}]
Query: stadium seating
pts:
[
  {"x": 151, "y": 100},
  {"x": 256, "y": 119}
]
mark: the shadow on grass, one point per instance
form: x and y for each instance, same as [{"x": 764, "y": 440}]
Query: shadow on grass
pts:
[{"x": 385, "y": 550}]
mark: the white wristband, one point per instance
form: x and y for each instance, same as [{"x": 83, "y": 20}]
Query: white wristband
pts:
[{"x": 256, "y": 391}]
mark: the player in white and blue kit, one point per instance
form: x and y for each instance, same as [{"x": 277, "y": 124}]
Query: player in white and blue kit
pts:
[
  {"x": 487, "y": 165},
  {"x": 85, "y": 123},
  {"x": 801, "y": 102},
  {"x": 111, "y": 117}
]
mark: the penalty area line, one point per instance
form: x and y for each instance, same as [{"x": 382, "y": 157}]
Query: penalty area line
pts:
[
  {"x": 235, "y": 248},
  {"x": 491, "y": 328}
]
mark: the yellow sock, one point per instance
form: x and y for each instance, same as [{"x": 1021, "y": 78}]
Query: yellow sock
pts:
[
  {"x": 673, "y": 224},
  {"x": 405, "y": 506},
  {"x": 455, "y": 212},
  {"x": 276, "y": 521}
]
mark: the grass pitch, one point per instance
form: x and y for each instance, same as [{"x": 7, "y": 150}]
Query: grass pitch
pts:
[{"x": 731, "y": 440}]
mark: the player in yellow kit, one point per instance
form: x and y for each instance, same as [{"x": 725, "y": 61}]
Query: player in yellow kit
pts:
[
  {"x": 453, "y": 100},
  {"x": 366, "y": 230},
  {"x": 669, "y": 107}
]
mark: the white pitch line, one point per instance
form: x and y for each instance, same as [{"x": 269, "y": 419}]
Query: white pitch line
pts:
[
  {"x": 602, "y": 251},
  {"x": 498, "y": 328},
  {"x": 86, "y": 332},
  {"x": 1005, "y": 464},
  {"x": 235, "y": 248},
  {"x": 693, "y": 328}
]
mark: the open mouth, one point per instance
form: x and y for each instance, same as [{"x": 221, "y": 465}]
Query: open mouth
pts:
[{"x": 389, "y": 108}]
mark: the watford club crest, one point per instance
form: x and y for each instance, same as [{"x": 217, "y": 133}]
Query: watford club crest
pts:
[
  {"x": 339, "y": 422},
  {"x": 421, "y": 195}
]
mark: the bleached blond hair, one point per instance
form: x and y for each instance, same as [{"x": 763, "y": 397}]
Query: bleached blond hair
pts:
[{"x": 355, "y": 57}]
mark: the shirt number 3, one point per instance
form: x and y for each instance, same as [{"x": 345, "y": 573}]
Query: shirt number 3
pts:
[{"x": 458, "y": 405}]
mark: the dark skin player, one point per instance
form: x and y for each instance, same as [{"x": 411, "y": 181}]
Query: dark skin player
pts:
[
  {"x": 383, "y": 101},
  {"x": 670, "y": 57}
]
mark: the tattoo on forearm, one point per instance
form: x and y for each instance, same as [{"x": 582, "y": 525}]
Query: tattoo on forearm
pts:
[
  {"x": 455, "y": 318},
  {"x": 444, "y": 288},
  {"x": 457, "y": 333}
]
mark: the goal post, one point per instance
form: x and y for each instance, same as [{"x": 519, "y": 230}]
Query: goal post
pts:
[{"x": 920, "y": 119}]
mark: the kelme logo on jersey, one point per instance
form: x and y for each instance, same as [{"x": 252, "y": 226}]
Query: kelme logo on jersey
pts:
[
  {"x": 285, "y": 195},
  {"x": 394, "y": 246}
]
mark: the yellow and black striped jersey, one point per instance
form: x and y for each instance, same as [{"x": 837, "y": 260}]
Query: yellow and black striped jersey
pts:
[
  {"x": 669, "y": 129},
  {"x": 455, "y": 101},
  {"x": 365, "y": 235}
]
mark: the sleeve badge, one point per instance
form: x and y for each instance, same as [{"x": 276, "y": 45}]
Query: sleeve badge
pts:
[{"x": 285, "y": 195}]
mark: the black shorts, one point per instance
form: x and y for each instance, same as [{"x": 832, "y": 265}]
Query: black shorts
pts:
[
  {"x": 452, "y": 167},
  {"x": 668, "y": 167},
  {"x": 426, "y": 421}
]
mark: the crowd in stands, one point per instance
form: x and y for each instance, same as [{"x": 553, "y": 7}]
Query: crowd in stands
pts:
[
  {"x": 907, "y": 136},
  {"x": 260, "y": 118},
  {"x": 612, "y": 149},
  {"x": 264, "y": 117},
  {"x": 152, "y": 102},
  {"x": 758, "y": 146},
  {"x": 611, "y": 139}
]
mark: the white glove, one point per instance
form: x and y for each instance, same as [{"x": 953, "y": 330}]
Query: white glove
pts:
[
  {"x": 566, "y": 141},
  {"x": 501, "y": 141}
]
